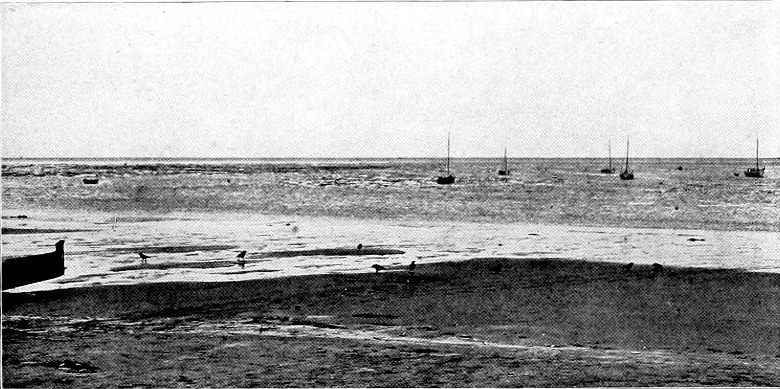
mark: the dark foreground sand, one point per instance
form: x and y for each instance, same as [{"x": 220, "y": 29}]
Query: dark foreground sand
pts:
[{"x": 484, "y": 322}]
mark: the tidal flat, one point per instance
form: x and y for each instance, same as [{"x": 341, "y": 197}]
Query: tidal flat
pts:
[{"x": 480, "y": 322}]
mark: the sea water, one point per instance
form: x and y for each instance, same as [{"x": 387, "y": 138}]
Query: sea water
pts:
[{"x": 702, "y": 215}]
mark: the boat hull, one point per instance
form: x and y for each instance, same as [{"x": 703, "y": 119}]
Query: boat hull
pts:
[
  {"x": 19, "y": 271},
  {"x": 446, "y": 180},
  {"x": 608, "y": 171},
  {"x": 755, "y": 172},
  {"x": 503, "y": 172},
  {"x": 626, "y": 175}
]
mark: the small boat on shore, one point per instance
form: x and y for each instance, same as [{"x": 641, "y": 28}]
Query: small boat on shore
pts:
[
  {"x": 610, "y": 169},
  {"x": 627, "y": 175},
  {"x": 19, "y": 271},
  {"x": 505, "y": 171},
  {"x": 90, "y": 180},
  {"x": 755, "y": 172},
  {"x": 449, "y": 179}
]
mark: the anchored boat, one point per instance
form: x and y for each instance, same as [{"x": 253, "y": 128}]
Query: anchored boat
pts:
[
  {"x": 504, "y": 172},
  {"x": 610, "y": 169},
  {"x": 627, "y": 175},
  {"x": 755, "y": 172},
  {"x": 449, "y": 179},
  {"x": 89, "y": 179}
]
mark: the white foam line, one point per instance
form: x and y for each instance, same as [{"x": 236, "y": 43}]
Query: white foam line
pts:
[
  {"x": 293, "y": 331},
  {"x": 62, "y": 324},
  {"x": 299, "y": 330}
]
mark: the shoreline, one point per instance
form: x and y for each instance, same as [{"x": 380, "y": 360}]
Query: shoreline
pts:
[
  {"x": 133, "y": 209},
  {"x": 97, "y": 243},
  {"x": 184, "y": 214},
  {"x": 565, "y": 313}
]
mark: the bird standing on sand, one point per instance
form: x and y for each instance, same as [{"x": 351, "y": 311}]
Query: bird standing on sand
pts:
[
  {"x": 627, "y": 267},
  {"x": 360, "y": 246},
  {"x": 144, "y": 257},
  {"x": 378, "y": 267},
  {"x": 241, "y": 261},
  {"x": 412, "y": 266}
]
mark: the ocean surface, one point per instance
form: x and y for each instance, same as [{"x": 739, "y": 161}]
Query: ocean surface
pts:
[{"x": 196, "y": 211}]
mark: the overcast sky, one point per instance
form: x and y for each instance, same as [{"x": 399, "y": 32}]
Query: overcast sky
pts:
[{"x": 551, "y": 79}]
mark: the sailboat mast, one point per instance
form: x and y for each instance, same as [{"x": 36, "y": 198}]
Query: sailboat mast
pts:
[
  {"x": 448, "y": 153},
  {"x": 756, "y": 154},
  {"x": 626, "y": 153}
]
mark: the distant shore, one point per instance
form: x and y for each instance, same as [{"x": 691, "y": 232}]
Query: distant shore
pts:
[{"x": 482, "y": 322}]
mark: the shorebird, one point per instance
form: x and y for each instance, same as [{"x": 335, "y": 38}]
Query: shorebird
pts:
[
  {"x": 360, "y": 246},
  {"x": 657, "y": 268},
  {"x": 378, "y": 267},
  {"x": 412, "y": 266},
  {"x": 144, "y": 257},
  {"x": 627, "y": 267},
  {"x": 240, "y": 259}
]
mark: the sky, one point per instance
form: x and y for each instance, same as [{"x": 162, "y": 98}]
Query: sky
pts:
[{"x": 544, "y": 79}]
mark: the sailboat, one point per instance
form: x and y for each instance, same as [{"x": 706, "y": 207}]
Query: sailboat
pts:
[
  {"x": 449, "y": 179},
  {"x": 504, "y": 172},
  {"x": 626, "y": 175},
  {"x": 755, "y": 171},
  {"x": 610, "y": 169}
]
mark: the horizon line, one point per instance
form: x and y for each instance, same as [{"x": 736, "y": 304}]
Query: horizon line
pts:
[{"x": 352, "y": 158}]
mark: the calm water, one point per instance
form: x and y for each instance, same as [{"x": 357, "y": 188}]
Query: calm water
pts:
[
  {"x": 704, "y": 195},
  {"x": 200, "y": 211}
]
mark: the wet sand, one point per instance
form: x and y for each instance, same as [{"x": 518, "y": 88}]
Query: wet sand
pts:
[
  {"x": 18, "y": 231},
  {"x": 481, "y": 322},
  {"x": 313, "y": 245}
]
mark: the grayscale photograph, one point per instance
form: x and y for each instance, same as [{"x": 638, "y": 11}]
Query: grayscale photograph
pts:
[{"x": 390, "y": 194}]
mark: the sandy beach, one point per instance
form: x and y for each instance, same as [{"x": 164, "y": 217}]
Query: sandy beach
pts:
[
  {"x": 499, "y": 297},
  {"x": 480, "y": 322}
]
